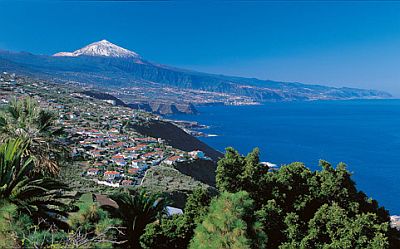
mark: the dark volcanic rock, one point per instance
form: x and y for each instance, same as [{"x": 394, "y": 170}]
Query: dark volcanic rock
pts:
[
  {"x": 141, "y": 106},
  {"x": 104, "y": 96},
  {"x": 165, "y": 108},
  {"x": 176, "y": 137},
  {"x": 200, "y": 170}
]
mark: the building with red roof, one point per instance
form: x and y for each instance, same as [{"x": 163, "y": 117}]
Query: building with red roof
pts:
[{"x": 112, "y": 175}]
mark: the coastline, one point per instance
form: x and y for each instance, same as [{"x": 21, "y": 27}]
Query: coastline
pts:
[
  {"x": 356, "y": 132},
  {"x": 191, "y": 127}
]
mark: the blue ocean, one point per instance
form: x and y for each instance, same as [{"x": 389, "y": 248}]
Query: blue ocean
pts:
[{"x": 365, "y": 134}]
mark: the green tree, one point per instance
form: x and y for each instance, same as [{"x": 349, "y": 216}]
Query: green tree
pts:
[
  {"x": 230, "y": 223},
  {"x": 170, "y": 232},
  {"x": 297, "y": 195},
  {"x": 178, "y": 230},
  {"x": 253, "y": 170},
  {"x": 137, "y": 211},
  {"x": 291, "y": 187},
  {"x": 332, "y": 227},
  {"x": 238, "y": 173},
  {"x": 196, "y": 206},
  {"x": 290, "y": 201},
  {"x": 229, "y": 168},
  {"x": 271, "y": 216}
]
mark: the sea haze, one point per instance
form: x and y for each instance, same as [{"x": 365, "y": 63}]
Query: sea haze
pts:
[{"x": 365, "y": 134}]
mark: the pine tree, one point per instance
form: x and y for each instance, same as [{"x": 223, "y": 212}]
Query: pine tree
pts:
[
  {"x": 230, "y": 223},
  {"x": 229, "y": 169}
]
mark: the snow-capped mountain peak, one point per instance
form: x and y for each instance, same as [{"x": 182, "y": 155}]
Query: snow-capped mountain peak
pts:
[{"x": 101, "y": 48}]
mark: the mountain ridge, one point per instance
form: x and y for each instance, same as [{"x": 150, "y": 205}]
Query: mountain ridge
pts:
[{"x": 107, "y": 65}]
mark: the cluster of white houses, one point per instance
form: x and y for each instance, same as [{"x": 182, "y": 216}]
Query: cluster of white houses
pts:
[
  {"x": 119, "y": 159},
  {"x": 115, "y": 155}
]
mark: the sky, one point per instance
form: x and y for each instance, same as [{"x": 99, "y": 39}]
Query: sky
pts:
[{"x": 335, "y": 43}]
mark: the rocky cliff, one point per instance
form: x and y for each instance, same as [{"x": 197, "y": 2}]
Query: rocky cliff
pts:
[{"x": 176, "y": 137}]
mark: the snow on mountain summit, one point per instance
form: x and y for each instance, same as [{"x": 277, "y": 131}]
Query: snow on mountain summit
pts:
[{"x": 101, "y": 48}]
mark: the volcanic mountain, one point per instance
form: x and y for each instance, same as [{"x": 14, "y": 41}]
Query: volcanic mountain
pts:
[
  {"x": 101, "y": 48},
  {"x": 105, "y": 64}
]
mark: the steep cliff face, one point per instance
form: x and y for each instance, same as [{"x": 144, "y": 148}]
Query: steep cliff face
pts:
[
  {"x": 165, "y": 108},
  {"x": 176, "y": 137},
  {"x": 172, "y": 108},
  {"x": 200, "y": 170},
  {"x": 104, "y": 96}
]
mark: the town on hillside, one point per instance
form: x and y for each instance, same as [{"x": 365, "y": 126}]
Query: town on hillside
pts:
[{"x": 98, "y": 132}]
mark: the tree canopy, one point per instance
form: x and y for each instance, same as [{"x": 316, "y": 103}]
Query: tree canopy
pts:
[
  {"x": 298, "y": 207},
  {"x": 178, "y": 230},
  {"x": 230, "y": 223},
  {"x": 136, "y": 211}
]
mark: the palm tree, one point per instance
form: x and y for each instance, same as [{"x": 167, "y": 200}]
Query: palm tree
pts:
[
  {"x": 36, "y": 195},
  {"x": 25, "y": 119},
  {"x": 136, "y": 211}
]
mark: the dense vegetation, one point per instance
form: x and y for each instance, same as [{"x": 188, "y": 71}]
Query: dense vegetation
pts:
[
  {"x": 254, "y": 207},
  {"x": 299, "y": 208},
  {"x": 292, "y": 207}
]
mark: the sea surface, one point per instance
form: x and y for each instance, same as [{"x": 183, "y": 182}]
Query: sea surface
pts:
[{"x": 365, "y": 134}]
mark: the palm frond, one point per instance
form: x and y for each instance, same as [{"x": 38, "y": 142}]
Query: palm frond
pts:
[
  {"x": 33, "y": 194},
  {"x": 23, "y": 118}
]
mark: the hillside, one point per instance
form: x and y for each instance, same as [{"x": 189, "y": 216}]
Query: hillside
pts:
[
  {"x": 151, "y": 106},
  {"x": 175, "y": 136}
]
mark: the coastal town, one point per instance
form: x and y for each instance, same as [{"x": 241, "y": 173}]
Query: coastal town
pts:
[{"x": 99, "y": 133}]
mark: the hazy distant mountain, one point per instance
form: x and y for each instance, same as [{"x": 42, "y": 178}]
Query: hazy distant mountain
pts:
[{"x": 105, "y": 64}]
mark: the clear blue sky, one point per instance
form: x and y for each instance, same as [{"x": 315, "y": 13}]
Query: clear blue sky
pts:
[{"x": 338, "y": 43}]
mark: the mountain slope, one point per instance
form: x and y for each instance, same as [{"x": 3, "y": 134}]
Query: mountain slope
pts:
[{"x": 105, "y": 64}]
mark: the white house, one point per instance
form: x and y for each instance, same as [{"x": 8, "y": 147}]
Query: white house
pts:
[
  {"x": 92, "y": 172},
  {"x": 112, "y": 175}
]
